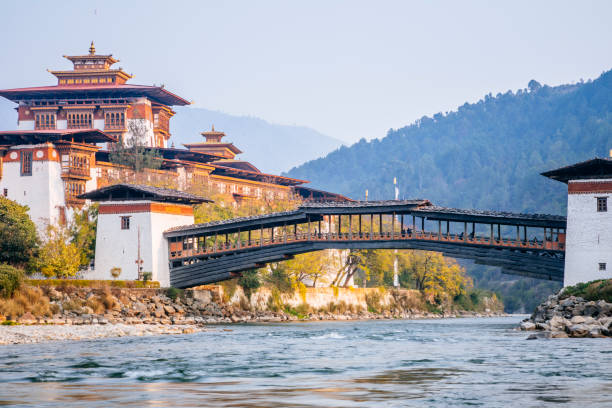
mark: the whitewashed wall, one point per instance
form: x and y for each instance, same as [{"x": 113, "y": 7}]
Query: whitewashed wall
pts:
[
  {"x": 42, "y": 192},
  {"x": 589, "y": 239},
  {"x": 119, "y": 248}
]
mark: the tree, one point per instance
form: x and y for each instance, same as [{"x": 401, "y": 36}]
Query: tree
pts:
[
  {"x": 59, "y": 257},
  {"x": 10, "y": 280},
  {"x": 134, "y": 153},
  {"x": 307, "y": 268},
  {"x": 356, "y": 260},
  {"x": 83, "y": 232},
  {"x": 534, "y": 85},
  {"x": 439, "y": 278},
  {"x": 18, "y": 237}
]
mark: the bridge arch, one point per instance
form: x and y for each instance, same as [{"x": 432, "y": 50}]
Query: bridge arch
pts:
[{"x": 524, "y": 244}]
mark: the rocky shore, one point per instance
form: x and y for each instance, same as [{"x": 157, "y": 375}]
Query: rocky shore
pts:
[
  {"x": 71, "y": 313},
  {"x": 573, "y": 316},
  {"x": 26, "y": 334}
]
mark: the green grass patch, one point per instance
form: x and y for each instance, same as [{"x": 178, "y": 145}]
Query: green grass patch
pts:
[
  {"x": 9, "y": 323},
  {"x": 594, "y": 290}
]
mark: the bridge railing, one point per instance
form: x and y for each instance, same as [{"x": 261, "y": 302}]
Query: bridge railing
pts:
[{"x": 191, "y": 248}]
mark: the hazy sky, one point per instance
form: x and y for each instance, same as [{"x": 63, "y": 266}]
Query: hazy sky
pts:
[{"x": 350, "y": 69}]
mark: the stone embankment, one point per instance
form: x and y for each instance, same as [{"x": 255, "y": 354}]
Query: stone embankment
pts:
[
  {"x": 126, "y": 312},
  {"x": 570, "y": 317}
]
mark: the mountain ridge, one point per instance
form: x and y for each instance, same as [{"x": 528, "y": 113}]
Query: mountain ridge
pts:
[{"x": 488, "y": 154}]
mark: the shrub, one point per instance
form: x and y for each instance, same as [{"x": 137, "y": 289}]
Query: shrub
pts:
[
  {"x": 373, "y": 300},
  {"x": 594, "y": 290},
  {"x": 229, "y": 288},
  {"x": 11, "y": 279},
  {"x": 173, "y": 293},
  {"x": 25, "y": 300},
  {"x": 250, "y": 282},
  {"x": 18, "y": 238},
  {"x": 275, "y": 302},
  {"x": 301, "y": 311}
]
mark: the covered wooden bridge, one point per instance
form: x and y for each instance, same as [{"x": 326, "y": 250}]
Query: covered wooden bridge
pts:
[{"x": 524, "y": 244}]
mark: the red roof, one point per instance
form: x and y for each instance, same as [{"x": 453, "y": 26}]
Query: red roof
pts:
[
  {"x": 156, "y": 93},
  {"x": 255, "y": 175}
]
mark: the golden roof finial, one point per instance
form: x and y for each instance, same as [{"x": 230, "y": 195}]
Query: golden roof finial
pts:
[
  {"x": 213, "y": 128},
  {"x": 92, "y": 49}
]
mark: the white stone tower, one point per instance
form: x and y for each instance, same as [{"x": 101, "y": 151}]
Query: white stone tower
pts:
[
  {"x": 131, "y": 223},
  {"x": 588, "y": 254}
]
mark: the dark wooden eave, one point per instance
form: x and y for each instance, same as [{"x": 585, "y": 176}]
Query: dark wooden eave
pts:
[
  {"x": 18, "y": 137},
  {"x": 597, "y": 168},
  {"x": 135, "y": 192}
]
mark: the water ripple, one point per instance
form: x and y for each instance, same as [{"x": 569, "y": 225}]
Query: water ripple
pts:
[{"x": 455, "y": 362}]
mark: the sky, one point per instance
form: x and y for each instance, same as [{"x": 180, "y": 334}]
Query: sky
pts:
[{"x": 349, "y": 69}]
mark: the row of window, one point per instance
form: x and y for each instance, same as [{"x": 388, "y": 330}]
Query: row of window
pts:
[
  {"x": 80, "y": 120},
  {"x": 94, "y": 80}
]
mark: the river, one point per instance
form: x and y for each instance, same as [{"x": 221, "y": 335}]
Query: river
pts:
[{"x": 391, "y": 363}]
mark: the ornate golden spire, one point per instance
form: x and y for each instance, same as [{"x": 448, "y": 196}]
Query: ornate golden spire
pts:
[
  {"x": 213, "y": 128},
  {"x": 92, "y": 49}
]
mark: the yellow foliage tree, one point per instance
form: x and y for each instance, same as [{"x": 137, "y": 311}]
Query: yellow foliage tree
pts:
[
  {"x": 436, "y": 276},
  {"x": 58, "y": 256},
  {"x": 308, "y": 267}
]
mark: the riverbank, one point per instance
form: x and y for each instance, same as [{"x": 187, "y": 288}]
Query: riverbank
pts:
[
  {"x": 24, "y": 334},
  {"x": 70, "y": 312},
  {"x": 567, "y": 315}
]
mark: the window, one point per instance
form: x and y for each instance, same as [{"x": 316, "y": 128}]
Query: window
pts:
[
  {"x": 6, "y": 192},
  {"x": 26, "y": 163},
  {"x": 125, "y": 223},
  {"x": 602, "y": 204},
  {"x": 80, "y": 121},
  {"x": 602, "y": 266},
  {"x": 44, "y": 121},
  {"x": 114, "y": 120}
]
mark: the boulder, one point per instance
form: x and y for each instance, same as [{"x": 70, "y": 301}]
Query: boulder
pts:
[
  {"x": 159, "y": 312},
  {"x": 557, "y": 323},
  {"x": 578, "y": 330},
  {"x": 528, "y": 326},
  {"x": 27, "y": 318},
  {"x": 595, "y": 332},
  {"x": 591, "y": 309},
  {"x": 169, "y": 309},
  {"x": 577, "y": 320},
  {"x": 139, "y": 307},
  {"x": 558, "y": 335},
  {"x": 54, "y": 295}
]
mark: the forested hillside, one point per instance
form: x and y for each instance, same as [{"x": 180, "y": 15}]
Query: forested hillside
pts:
[{"x": 484, "y": 155}]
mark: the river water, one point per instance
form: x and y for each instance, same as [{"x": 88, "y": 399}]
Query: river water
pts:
[{"x": 393, "y": 363}]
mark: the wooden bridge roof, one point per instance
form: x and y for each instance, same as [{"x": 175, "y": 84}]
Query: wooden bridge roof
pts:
[
  {"x": 491, "y": 217},
  {"x": 315, "y": 211}
]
